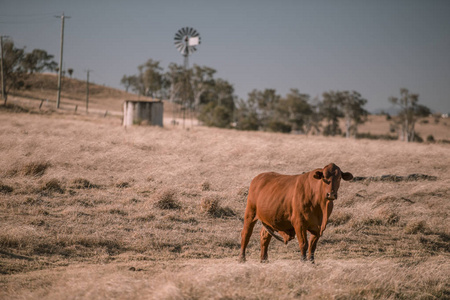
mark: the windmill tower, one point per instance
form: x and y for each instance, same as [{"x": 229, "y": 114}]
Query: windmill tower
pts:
[{"x": 186, "y": 41}]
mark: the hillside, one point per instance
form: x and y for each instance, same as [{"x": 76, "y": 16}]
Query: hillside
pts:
[
  {"x": 102, "y": 99},
  {"x": 91, "y": 210},
  {"x": 73, "y": 92}
]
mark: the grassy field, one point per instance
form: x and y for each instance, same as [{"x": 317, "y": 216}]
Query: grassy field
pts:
[{"x": 90, "y": 210}]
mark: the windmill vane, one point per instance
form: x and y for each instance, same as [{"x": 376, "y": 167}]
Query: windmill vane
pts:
[{"x": 186, "y": 39}]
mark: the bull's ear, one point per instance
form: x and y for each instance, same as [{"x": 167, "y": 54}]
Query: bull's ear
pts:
[
  {"x": 318, "y": 175},
  {"x": 347, "y": 176}
]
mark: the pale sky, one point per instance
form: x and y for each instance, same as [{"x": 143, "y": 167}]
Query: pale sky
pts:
[{"x": 374, "y": 47}]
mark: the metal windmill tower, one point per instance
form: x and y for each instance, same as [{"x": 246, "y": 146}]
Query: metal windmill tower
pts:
[{"x": 186, "y": 41}]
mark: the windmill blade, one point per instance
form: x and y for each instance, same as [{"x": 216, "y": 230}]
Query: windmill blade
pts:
[
  {"x": 186, "y": 39},
  {"x": 178, "y": 36}
]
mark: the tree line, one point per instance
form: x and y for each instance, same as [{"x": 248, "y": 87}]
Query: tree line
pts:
[{"x": 216, "y": 105}]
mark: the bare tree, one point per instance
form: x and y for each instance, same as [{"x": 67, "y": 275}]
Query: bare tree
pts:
[{"x": 410, "y": 112}]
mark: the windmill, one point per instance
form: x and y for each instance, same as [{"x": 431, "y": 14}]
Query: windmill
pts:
[{"x": 186, "y": 41}]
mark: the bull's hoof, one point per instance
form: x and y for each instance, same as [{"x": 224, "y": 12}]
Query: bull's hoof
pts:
[
  {"x": 303, "y": 258},
  {"x": 241, "y": 260},
  {"x": 264, "y": 261}
]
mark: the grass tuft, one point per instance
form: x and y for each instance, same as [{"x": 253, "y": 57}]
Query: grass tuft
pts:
[
  {"x": 339, "y": 218},
  {"x": 167, "y": 200},
  {"x": 81, "y": 183},
  {"x": 211, "y": 206},
  {"x": 53, "y": 186},
  {"x": 34, "y": 169},
  {"x": 5, "y": 189},
  {"x": 415, "y": 227},
  {"x": 206, "y": 186}
]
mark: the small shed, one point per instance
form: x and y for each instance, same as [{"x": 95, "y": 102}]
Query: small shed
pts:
[{"x": 139, "y": 112}]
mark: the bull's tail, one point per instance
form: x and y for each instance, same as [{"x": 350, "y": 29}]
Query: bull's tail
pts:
[{"x": 272, "y": 233}]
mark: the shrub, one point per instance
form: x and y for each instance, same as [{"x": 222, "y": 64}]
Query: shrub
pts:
[
  {"x": 430, "y": 139},
  {"x": 167, "y": 200}
]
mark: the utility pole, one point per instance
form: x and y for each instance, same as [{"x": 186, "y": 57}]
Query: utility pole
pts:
[
  {"x": 2, "y": 70},
  {"x": 60, "y": 59},
  {"x": 87, "y": 90}
]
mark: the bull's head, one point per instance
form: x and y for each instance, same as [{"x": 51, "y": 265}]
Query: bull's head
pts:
[{"x": 331, "y": 177}]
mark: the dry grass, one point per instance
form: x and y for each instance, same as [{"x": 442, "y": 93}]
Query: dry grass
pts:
[{"x": 94, "y": 222}]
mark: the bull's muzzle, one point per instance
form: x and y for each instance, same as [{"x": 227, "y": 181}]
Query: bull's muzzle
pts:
[{"x": 331, "y": 196}]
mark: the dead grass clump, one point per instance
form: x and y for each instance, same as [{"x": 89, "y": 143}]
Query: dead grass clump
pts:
[
  {"x": 116, "y": 211},
  {"x": 211, "y": 206},
  {"x": 145, "y": 218},
  {"x": 243, "y": 192},
  {"x": 53, "y": 186},
  {"x": 415, "y": 227},
  {"x": 206, "y": 186},
  {"x": 339, "y": 218},
  {"x": 167, "y": 200},
  {"x": 123, "y": 185},
  {"x": 389, "y": 216},
  {"x": 81, "y": 183},
  {"x": 35, "y": 169},
  {"x": 5, "y": 189}
]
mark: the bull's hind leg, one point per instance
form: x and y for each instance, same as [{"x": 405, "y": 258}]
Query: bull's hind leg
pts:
[
  {"x": 265, "y": 240},
  {"x": 249, "y": 223}
]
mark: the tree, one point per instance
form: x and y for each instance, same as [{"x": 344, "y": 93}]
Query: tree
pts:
[
  {"x": 294, "y": 110},
  {"x": 266, "y": 102},
  {"x": 128, "y": 81},
  {"x": 201, "y": 80},
  {"x": 217, "y": 104},
  {"x": 37, "y": 61},
  {"x": 354, "y": 113},
  {"x": 149, "y": 81},
  {"x": 329, "y": 109},
  {"x": 173, "y": 81},
  {"x": 247, "y": 115},
  {"x": 12, "y": 67},
  {"x": 410, "y": 112},
  {"x": 70, "y": 71}
]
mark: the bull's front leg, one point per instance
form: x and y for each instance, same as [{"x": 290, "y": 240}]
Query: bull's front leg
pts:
[
  {"x": 302, "y": 238},
  {"x": 312, "y": 246}
]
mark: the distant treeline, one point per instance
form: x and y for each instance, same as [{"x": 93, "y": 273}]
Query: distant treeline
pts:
[{"x": 216, "y": 104}]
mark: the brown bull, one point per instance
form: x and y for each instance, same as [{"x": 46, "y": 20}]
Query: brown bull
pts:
[{"x": 291, "y": 205}]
